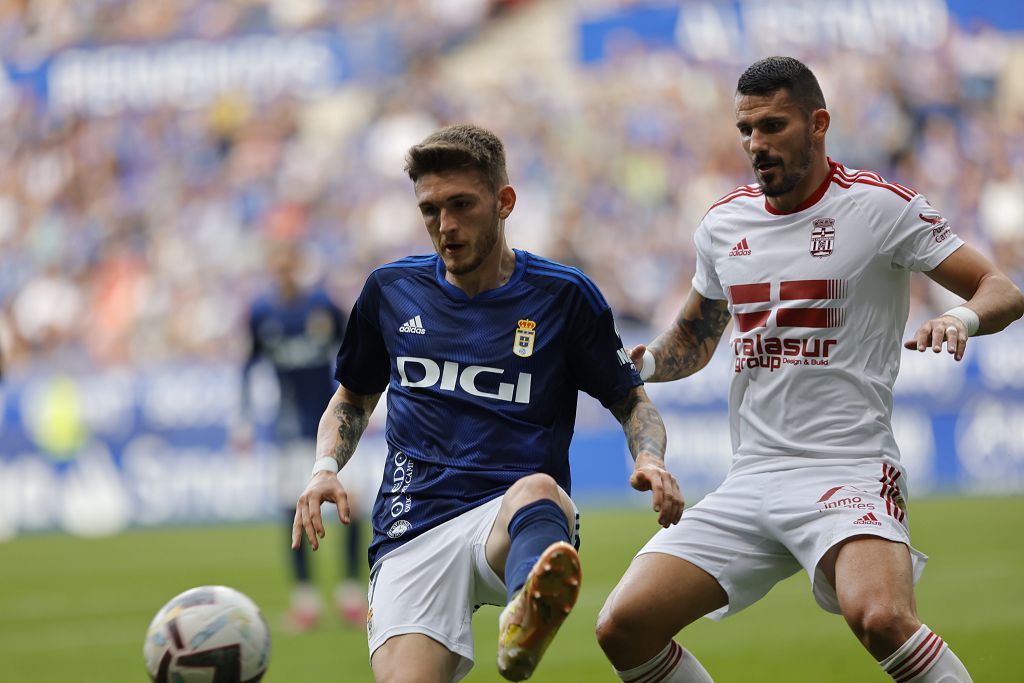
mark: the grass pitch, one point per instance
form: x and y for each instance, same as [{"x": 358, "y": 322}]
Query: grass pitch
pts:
[{"x": 75, "y": 610}]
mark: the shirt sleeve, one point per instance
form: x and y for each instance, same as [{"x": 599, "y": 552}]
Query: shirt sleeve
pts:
[
  {"x": 597, "y": 360},
  {"x": 705, "y": 277},
  {"x": 921, "y": 238},
  {"x": 364, "y": 366}
]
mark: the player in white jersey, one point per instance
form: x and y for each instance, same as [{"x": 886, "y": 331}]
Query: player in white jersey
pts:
[{"x": 813, "y": 264}]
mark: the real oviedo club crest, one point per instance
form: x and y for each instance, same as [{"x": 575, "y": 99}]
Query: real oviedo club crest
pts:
[
  {"x": 525, "y": 334},
  {"x": 823, "y": 237}
]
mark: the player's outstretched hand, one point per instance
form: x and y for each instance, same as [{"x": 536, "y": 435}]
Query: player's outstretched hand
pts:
[
  {"x": 650, "y": 475},
  {"x": 324, "y": 486},
  {"x": 946, "y": 329}
]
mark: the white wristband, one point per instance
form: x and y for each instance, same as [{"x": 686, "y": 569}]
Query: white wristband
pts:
[
  {"x": 967, "y": 317},
  {"x": 325, "y": 464},
  {"x": 648, "y": 369}
]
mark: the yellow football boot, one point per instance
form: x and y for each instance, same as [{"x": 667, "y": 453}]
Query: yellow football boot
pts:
[{"x": 531, "y": 619}]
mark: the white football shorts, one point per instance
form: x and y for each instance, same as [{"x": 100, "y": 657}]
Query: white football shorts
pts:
[
  {"x": 434, "y": 583},
  {"x": 757, "y": 529}
]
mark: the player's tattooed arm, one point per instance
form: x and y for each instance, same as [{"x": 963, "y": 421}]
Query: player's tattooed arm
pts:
[
  {"x": 645, "y": 434},
  {"x": 642, "y": 424},
  {"x": 688, "y": 345},
  {"x": 343, "y": 423}
]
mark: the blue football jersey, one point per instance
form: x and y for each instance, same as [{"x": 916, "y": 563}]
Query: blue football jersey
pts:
[
  {"x": 299, "y": 337},
  {"x": 482, "y": 390}
]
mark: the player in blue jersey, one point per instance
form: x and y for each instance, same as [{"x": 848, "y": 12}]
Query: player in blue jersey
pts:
[
  {"x": 483, "y": 350},
  {"x": 297, "y": 330}
]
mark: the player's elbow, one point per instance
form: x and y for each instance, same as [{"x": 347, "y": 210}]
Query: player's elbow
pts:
[{"x": 1013, "y": 305}]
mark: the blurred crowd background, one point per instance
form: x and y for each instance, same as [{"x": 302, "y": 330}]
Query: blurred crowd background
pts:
[{"x": 135, "y": 235}]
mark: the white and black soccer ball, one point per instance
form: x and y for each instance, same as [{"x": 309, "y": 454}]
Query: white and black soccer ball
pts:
[{"x": 210, "y": 634}]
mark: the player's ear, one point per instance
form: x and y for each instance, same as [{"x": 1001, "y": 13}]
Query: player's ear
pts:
[
  {"x": 506, "y": 201},
  {"x": 820, "y": 119}
]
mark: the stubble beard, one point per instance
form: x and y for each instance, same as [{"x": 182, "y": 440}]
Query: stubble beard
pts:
[
  {"x": 483, "y": 249},
  {"x": 790, "y": 179}
]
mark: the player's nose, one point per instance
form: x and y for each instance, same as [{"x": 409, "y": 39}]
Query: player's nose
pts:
[
  {"x": 448, "y": 222},
  {"x": 757, "y": 143}
]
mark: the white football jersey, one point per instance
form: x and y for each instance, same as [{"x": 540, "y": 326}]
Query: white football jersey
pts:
[{"x": 819, "y": 298}]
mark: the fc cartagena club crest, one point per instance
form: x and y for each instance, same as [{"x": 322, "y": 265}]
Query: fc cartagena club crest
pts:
[
  {"x": 823, "y": 237},
  {"x": 525, "y": 334}
]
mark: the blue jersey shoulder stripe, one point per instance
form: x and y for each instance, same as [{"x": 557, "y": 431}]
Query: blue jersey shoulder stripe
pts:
[{"x": 574, "y": 275}]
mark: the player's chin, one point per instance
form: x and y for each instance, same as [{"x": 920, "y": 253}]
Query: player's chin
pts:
[{"x": 456, "y": 265}]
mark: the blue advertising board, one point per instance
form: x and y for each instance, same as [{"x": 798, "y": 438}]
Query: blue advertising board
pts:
[
  {"x": 95, "y": 452},
  {"x": 739, "y": 31},
  {"x": 184, "y": 74}
]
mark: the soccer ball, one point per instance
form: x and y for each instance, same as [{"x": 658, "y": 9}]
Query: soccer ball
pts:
[{"x": 210, "y": 634}]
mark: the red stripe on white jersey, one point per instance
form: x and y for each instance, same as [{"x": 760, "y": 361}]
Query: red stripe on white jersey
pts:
[
  {"x": 804, "y": 289},
  {"x": 847, "y": 175},
  {"x": 757, "y": 293},
  {"x": 863, "y": 180},
  {"x": 745, "y": 322},
  {"x": 818, "y": 318}
]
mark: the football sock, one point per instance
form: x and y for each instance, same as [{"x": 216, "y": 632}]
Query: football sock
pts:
[
  {"x": 353, "y": 549},
  {"x": 674, "y": 664},
  {"x": 532, "y": 529},
  {"x": 925, "y": 658}
]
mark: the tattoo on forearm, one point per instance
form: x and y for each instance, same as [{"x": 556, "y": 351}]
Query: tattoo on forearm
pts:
[
  {"x": 644, "y": 429},
  {"x": 686, "y": 347},
  {"x": 352, "y": 421}
]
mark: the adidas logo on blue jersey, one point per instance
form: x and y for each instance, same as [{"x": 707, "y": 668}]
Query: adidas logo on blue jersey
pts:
[{"x": 413, "y": 326}]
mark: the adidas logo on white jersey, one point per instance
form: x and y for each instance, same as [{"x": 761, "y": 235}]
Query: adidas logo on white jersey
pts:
[
  {"x": 413, "y": 326},
  {"x": 741, "y": 248}
]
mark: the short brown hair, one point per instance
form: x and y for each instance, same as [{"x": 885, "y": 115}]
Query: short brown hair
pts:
[{"x": 460, "y": 147}]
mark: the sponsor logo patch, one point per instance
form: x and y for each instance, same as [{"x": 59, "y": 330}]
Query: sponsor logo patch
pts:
[
  {"x": 869, "y": 519},
  {"x": 399, "y": 528},
  {"x": 741, "y": 248},
  {"x": 843, "y": 497},
  {"x": 413, "y": 326},
  {"x": 940, "y": 227}
]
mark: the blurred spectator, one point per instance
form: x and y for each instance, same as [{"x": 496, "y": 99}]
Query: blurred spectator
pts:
[{"x": 135, "y": 237}]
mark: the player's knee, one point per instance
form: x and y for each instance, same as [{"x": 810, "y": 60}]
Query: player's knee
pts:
[
  {"x": 618, "y": 629},
  {"x": 532, "y": 488},
  {"x": 881, "y": 625}
]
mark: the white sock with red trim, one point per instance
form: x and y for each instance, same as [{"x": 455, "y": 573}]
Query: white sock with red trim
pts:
[
  {"x": 925, "y": 658},
  {"x": 674, "y": 664}
]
